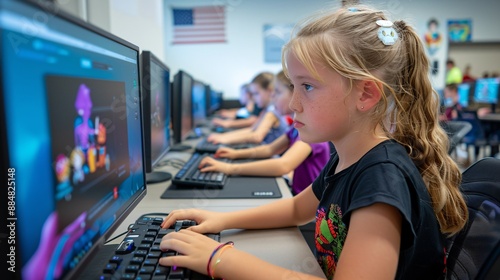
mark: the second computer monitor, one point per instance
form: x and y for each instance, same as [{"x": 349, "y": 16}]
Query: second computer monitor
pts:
[
  {"x": 182, "y": 119},
  {"x": 156, "y": 110},
  {"x": 486, "y": 90},
  {"x": 464, "y": 94},
  {"x": 199, "y": 104}
]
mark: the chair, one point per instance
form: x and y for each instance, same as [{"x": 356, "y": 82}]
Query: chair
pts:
[
  {"x": 474, "y": 252},
  {"x": 456, "y": 131},
  {"x": 476, "y": 136}
]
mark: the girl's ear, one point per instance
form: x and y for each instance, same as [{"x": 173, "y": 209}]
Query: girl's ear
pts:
[{"x": 370, "y": 95}]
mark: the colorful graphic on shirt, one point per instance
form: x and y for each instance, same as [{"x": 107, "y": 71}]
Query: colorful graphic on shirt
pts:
[{"x": 329, "y": 238}]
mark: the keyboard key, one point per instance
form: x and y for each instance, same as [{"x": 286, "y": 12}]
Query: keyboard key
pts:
[
  {"x": 137, "y": 257},
  {"x": 191, "y": 176}
]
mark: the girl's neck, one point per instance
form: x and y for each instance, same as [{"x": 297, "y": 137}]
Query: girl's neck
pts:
[{"x": 353, "y": 147}]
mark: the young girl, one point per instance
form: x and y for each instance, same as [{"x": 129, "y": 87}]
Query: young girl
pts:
[
  {"x": 245, "y": 116},
  {"x": 270, "y": 124},
  {"x": 304, "y": 160},
  {"x": 390, "y": 195}
]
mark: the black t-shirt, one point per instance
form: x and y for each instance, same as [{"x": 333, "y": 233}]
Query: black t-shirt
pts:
[{"x": 385, "y": 174}]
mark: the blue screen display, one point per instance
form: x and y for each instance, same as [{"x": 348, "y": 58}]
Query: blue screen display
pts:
[
  {"x": 486, "y": 90},
  {"x": 199, "y": 103},
  {"x": 71, "y": 103},
  {"x": 463, "y": 94}
]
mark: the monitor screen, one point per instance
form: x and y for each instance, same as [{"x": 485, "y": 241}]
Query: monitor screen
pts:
[
  {"x": 156, "y": 110},
  {"x": 71, "y": 126},
  {"x": 463, "y": 94},
  {"x": 182, "y": 115},
  {"x": 486, "y": 90},
  {"x": 214, "y": 100},
  {"x": 199, "y": 104}
]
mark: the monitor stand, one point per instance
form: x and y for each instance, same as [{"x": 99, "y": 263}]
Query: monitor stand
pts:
[
  {"x": 157, "y": 176},
  {"x": 180, "y": 148}
]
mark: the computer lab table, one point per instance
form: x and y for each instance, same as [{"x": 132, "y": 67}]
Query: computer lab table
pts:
[{"x": 284, "y": 247}]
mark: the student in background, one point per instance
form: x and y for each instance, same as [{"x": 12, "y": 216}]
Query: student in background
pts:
[
  {"x": 239, "y": 117},
  {"x": 270, "y": 124},
  {"x": 452, "y": 106},
  {"x": 467, "y": 77},
  {"x": 303, "y": 160},
  {"x": 361, "y": 82},
  {"x": 453, "y": 73}
]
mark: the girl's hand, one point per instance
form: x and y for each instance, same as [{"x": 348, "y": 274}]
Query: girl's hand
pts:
[
  {"x": 225, "y": 152},
  {"x": 216, "y": 138},
  {"x": 219, "y": 122},
  {"x": 194, "y": 250},
  {"x": 209, "y": 164},
  {"x": 208, "y": 222}
]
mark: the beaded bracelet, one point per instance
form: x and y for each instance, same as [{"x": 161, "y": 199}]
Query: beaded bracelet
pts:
[
  {"x": 209, "y": 272},
  {"x": 219, "y": 260}
]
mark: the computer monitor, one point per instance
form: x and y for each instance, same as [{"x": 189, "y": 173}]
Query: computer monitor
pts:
[
  {"x": 487, "y": 90},
  {"x": 199, "y": 104},
  {"x": 156, "y": 114},
  {"x": 71, "y": 134},
  {"x": 214, "y": 100},
  {"x": 464, "y": 94},
  {"x": 182, "y": 112}
]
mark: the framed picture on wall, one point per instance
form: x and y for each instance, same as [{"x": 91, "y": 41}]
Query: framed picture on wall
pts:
[
  {"x": 275, "y": 36},
  {"x": 460, "y": 30}
]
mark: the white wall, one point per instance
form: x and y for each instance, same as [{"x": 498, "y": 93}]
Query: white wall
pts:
[
  {"x": 148, "y": 24},
  {"x": 140, "y": 22},
  {"x": 137, "y": 21},
  {"x": 226, "y": 66}
]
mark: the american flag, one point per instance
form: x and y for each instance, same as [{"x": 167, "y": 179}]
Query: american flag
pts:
[{"x": 199, "y": 25}]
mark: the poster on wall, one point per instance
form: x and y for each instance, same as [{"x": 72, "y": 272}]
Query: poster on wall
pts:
[
  {"x": 436, "y": 47},
  {"x": 460, "y": 30},
  {"x": 275, "y": 37}
]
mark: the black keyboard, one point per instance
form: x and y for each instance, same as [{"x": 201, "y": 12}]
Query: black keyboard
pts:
[
  {"x": 207, "y": 147},
  {"x": 138, "y": 254},
  {"x": 190, "y": 176}
]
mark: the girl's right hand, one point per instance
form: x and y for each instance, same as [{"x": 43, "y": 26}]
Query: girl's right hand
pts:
[
  {"x": 208, "y": 221},
  {"x": 224, "y": 152},
  {"x": 220, "y": 122}
]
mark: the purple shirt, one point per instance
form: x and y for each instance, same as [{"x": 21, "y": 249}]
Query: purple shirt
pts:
[{"x": 311, "y": 167}]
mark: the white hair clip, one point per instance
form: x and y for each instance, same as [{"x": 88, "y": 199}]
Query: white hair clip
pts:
[{"x": 386, "y": 33}]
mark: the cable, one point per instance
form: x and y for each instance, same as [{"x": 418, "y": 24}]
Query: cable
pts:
[{"x": 109, "y": 240}]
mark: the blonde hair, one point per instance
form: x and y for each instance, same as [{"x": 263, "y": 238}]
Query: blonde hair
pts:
[
  {"x": 264, "y": 80},
  {"x": 283, "y": 79},
  {"x": 346, "y": 41}
]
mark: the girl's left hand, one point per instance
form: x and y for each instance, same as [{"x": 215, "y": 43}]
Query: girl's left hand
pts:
[
  {"x": 194, "y": 250},
  {"x": 209, "y": 164}
]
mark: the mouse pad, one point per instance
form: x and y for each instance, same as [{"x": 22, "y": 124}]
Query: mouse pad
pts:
[{"x": 235, "y": 187}]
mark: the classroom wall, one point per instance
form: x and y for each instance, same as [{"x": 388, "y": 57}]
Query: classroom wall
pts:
[
  {"x": 226, "y": 66},
  {"x": 229, "y": 65},
  {"x": 137, "y": 21},
  {"x": 148, "y": 23}
]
